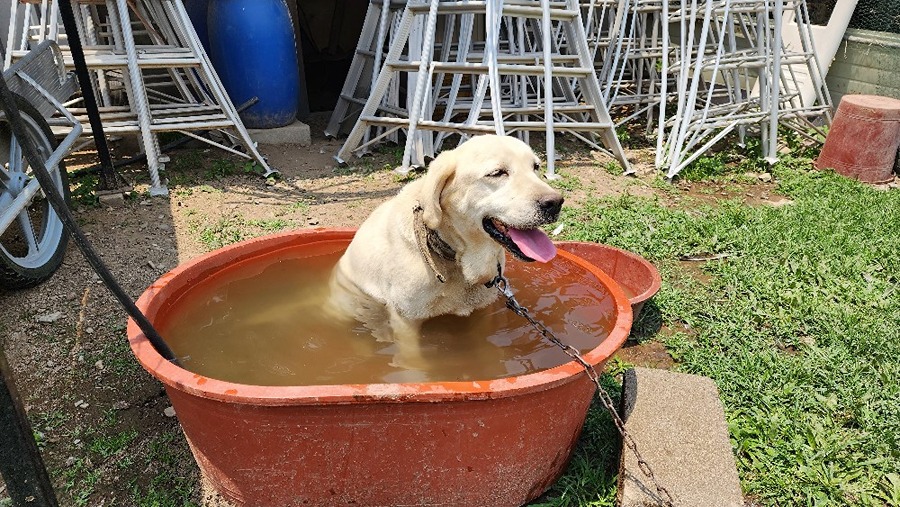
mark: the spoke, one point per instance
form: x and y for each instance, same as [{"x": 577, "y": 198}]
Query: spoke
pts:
[
  {"x": 16, "y": 161},
  {"x": 28, "y": 232}
]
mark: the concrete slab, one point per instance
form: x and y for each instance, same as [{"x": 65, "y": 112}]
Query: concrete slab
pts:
[
  {"x": 678, "y": 424},
  {"x": 111, "y": 198},
  {"x": 295, "y": 133}
]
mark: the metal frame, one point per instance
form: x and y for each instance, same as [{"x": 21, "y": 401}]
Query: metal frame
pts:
[
  {"x": 174, "y": 59},
  {"x": 523, "y": 67}
]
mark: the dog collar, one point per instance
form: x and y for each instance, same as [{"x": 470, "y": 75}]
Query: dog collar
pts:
[{"x": 429, "y": 241}]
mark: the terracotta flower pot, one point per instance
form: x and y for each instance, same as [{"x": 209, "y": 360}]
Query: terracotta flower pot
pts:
[
  {"x": 495, "y": 442},
  {"x": 863, "y": 140},
  {"x": 638, "y": 277}
]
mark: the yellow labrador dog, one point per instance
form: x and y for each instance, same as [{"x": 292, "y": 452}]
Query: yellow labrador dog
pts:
[{"x": 431, "y": 249}]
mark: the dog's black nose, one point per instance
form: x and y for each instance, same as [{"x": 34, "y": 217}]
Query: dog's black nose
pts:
[{"x": 550, "y": 205}]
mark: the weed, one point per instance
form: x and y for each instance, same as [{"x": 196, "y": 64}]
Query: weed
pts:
[
  {"x": 565, "y": 182},
  {"x": 223, "y": 232},
  {"x": 301, "y": 206},
  {"x": 251, "y": 167},
  {"x": 169, "y": 486},
  {"x": 801, "y": 147},
  {"x": 186, "y": 161},
  {"x": 406, "y": 178},
  {"x": 613, "y": 168},
  {"x": 587, "y": 480},
  {"x": 221, "y": 168},
  {"x": 707, "y": 167},
  {"x": 270, "y": 225},
  {"x": 82, "y": 190},
  {"x": 135, "y": 196},
  {"x": 228, "y": 230},
  {"x": 395, "y": 153},
  {"x": 109, "y": 445},
  {"x": 48, "y": 421},
  {"x": 80, "y": 479}
]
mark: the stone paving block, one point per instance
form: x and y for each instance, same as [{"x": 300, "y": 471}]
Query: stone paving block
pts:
[{"x": 678, "y": 424}]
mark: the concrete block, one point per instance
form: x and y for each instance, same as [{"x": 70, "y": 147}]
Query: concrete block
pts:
[
  {"x": 111, "y": 198},
  {"x": 295, "y": 133},
  {"x": 678, "y": 424}
]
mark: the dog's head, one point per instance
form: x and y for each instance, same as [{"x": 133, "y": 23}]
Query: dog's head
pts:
[{"x": 491, "y": 186}]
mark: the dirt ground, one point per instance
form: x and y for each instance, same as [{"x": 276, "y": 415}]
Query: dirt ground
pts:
[{"x": 102, "y": 422}]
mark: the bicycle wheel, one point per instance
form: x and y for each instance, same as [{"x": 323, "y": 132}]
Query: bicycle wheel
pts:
[{"x": 32, "y": 237}]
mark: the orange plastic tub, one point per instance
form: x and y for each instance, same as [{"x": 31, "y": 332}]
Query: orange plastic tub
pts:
[
  {"x": 485, "y": 443},
  {"x": 636, "y": 275}
]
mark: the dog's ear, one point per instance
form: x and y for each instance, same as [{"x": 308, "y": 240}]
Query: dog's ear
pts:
[{"x": 440, "y": 172}]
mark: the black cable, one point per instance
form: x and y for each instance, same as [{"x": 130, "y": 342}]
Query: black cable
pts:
[{"x": 7, "y": 97}]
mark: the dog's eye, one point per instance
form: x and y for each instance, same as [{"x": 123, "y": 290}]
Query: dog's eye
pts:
[
  {"x": 498, "y": 173},
  {"x": 537, "y": 166}
]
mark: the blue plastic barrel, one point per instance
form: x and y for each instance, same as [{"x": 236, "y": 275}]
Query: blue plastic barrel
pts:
[
  {"x": 197, "y": 11},
  {"x": 252, "y": 49}
]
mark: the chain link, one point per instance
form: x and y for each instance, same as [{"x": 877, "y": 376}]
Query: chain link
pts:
[{"x": 502, "y": 285}]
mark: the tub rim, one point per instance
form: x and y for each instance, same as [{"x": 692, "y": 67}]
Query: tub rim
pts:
[
  {"x": 151, "y": 301},
  {"x": 655, "y": 277}
]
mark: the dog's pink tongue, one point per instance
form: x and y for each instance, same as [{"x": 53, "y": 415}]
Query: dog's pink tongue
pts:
[{"x": 533, "y": 243}]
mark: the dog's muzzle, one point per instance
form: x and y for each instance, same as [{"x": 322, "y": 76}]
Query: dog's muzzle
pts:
[{"x": 527, "y": 243}]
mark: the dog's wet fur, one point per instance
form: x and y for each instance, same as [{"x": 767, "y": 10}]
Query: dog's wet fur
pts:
[{"x": 472, "y": 197}]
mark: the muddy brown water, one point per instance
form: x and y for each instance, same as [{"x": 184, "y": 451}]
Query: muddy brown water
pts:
[{"x": 261, "y": 322}]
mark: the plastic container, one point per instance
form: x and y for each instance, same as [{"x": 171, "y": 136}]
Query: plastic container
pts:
[
  {"x": 638, "y": 277},
  {"x": 485, "y": 443},
  {"x": 863, "y": 139},
  {"x": 253, "y": 50},
  {"x": 197, "y": 10}
]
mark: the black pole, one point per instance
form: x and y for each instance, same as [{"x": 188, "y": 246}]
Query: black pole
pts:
[
  {"x": 108, "y": 177},
  {"x": 8, "y": 101},
  {"x": 21, "y": 464}
]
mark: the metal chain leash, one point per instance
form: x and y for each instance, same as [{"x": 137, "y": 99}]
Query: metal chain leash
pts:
[{"x": 502, "y": 285}]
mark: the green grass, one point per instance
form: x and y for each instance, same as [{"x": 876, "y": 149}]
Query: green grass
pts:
[
  {"x": 565, "y": 182},
  {"x": 798, "y": 326},
  {"x": 169, "y": 485},
  {"x": 590, "y": 480},
  {"x": 228, "y": 230},
  {"x": 82, "y": 190},
  {"x": 613, "y": 168},
  {"x": 188, "y": 167},
  {"x": 302, "y": 205},
  {"x": 105, "y": 444},
  {"x": 165, "y": 477}
]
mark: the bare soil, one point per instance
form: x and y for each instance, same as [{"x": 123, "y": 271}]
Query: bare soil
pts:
[{"x": 101, "y": 420}]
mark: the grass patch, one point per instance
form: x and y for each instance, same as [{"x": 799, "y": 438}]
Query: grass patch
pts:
[
  {"x": 169, "y": 485},
  {"x": 300, "y": 206},
  {"x": 80, "y": 479},
  {"x": 188, "y": 166},
  {"x": 104, "y": 443},
  {"x": 613, "y": 168},
  {"x": 797, "y": 326},
  {"x": 565, "y": 182},
  {"x": 228, "y": 230},
  {"x": 82, "y": 190},
  {"x": 590, "y": 478}
]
